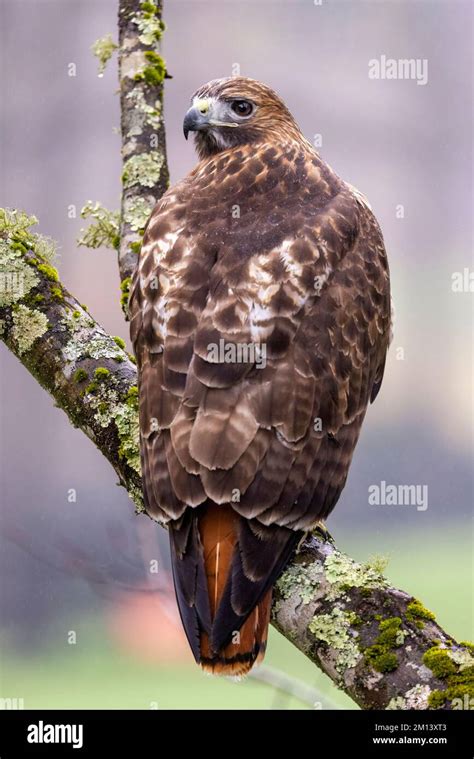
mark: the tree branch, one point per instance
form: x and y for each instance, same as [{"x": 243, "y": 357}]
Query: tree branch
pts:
[
  {"x": 88, "y": 373},
  {"x": 377, "y": 643},
  {"x": 142, "y": 71}
]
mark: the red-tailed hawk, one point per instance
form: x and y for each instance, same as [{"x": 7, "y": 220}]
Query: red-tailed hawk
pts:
[{"x": 260, "y": 315}]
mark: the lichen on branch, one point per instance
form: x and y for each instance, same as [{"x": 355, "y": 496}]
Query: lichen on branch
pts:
[
  {"x": 142, "y": 72},
  {"x": 374, "y": 641},
  {"x": 88, "y": 373},
  {"x": 377, "y": 643},
  {"x": 103, "y": 49},
  {"x": 104, "y": 230}
]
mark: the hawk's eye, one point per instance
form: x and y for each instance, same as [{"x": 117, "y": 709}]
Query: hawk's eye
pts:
[{"x": 242, "y": 107}]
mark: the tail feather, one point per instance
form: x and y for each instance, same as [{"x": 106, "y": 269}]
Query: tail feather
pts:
[{"x": 224, "y": 568}]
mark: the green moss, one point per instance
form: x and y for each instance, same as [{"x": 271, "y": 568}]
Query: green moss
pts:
[
  {"x": 91, "y": 388},
  {"x": 436, "y": 699},
  {"x": 28, "y": 326},
  {"x": 391, "y": 633},
  {"x": 356, "y": 621},
  {"x": 132, "y": 358},
  {"x": 57, "y": 294},
  {"x": 49, "y": 271},
  {"x": 385, "y": 662},
  {"x": 149, "y": 24},
  {"x": 468, "y": 645},
  {"x": 416, "y": 612},
  {"x": 101, "y": 374},
  {"x": 135, "y": 247},
  {"x": 125, "y": 288},
  {"x": 118, "y": 341},
  {"x": 76, "y": 314},
  {"x": 19, "y": 246},
  {"x": 454, "y": 665},
  {"x": 80, "y": 375},
  {"x": 132, "y": 394},
  {"x": 439, "y": 661},
  {"x": 152, "y": 75},
  {"x": 148, "y": 7},
  {"x": 461, "y": 684},
  {"x": 381, "y": 655}
]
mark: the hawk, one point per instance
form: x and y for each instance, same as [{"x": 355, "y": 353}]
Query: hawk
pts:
[{"x": 260, "y": 319}]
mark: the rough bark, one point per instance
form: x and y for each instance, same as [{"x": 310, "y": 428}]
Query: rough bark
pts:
[
  {"x": 86, "y": 371},
  {"x": 141, "y": 74},
  {"x": 377, "y": 643}
]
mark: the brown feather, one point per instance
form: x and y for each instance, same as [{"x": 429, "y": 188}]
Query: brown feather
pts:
[
  {"x": 218, "y": 528},
  {"x": 239, "y": 457}
]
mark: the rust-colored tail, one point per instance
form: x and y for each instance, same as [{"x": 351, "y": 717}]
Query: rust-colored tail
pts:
[
  {"x": 224, "y": 569},
  {"x": 218, "y": 527}
]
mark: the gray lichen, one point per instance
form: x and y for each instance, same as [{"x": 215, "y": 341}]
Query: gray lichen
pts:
[
  {"x": 28, "y": 326},
  {"x": 335, "y": 630},
  {"x": 137, "y": 211},
  {"x": 300, "y": 579},
  {"x": 81, "y": 345},
  {"x": 149, "y": 24},
  {"x": 343, "y": 573},
  {"x": 103, "y": 49},
  {"x": 17, "y": 276},
  {"x": 104, "y": 229},
  {"x": 104, "y": 397},
  {"x": 151, "y": 114},
  {"x": 396, "y": 703},
  {"x": 143, "y": 169}
]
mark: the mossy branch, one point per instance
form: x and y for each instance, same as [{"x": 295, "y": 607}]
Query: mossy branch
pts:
[
  {"x": 142, "y": 71},
  {"x": 377, "y": 643},
  {"x": 87, "y": 372}
]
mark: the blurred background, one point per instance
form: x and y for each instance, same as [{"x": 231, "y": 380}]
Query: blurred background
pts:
[{"x": 84, "y": 622}]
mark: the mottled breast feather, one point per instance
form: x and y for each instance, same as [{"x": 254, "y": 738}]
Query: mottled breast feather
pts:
[{"x": 259, "y": 245}]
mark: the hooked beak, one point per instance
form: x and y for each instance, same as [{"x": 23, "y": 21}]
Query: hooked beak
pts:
[{"x": 195, "y": 120}]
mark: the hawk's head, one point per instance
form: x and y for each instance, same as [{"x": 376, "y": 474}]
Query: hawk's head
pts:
[{"x": 237, "y": 111}]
